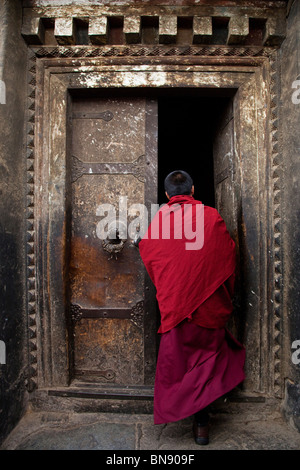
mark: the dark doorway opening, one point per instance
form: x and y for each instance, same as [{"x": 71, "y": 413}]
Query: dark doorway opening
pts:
[{"x": 186, "y": 128}]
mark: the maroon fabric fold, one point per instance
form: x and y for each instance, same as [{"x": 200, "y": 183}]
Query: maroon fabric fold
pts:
[
  {"x": 195, "y": 366},
  {"x": 215, "y": 311}
]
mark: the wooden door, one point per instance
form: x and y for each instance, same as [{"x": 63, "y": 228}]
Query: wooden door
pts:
[
  {"x": 228, "y": 194},
  {"x": 113, "y": 162}
]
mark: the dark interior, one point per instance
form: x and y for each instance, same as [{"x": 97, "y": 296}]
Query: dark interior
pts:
[
  {"x": 186, "y": 128},
  {"x": 188, "y": 119}
]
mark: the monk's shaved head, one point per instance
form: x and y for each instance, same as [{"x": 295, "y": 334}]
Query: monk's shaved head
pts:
[{"x": 178, "y": 182}]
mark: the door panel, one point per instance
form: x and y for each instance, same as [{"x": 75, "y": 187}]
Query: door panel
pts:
[
  {"x": 224, "y": 165},
  {"x": 107, "y": 277},
  {"x": 228, "y": 195}
]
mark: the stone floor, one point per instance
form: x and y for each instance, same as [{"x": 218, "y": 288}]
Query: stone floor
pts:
[{"x": 242, "y": 427}]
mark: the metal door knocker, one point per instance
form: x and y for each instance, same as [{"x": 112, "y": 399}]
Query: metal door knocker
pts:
[{"x": 113, "y": 243}]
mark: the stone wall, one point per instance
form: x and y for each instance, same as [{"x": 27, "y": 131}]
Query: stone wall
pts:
[
  {"x": 290, "y": 148},
  {"x": 12, "y": 251}
]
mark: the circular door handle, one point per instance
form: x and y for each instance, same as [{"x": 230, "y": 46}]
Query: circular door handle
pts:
[{"x": 113, "y": 244}]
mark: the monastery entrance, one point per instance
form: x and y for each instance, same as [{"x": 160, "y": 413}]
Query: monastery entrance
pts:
[
  {"x": 105, "y": 139},
  {"x": 122, "y": 147},
  {"x": 105, "y": 99}
]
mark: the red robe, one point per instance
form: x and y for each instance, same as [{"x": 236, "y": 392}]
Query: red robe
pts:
[
  {"x": 186, "y": 278},
  {"x": 198, "y": 360}
]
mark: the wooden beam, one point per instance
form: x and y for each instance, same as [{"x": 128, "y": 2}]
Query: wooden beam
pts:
[
  {"x": 167, "y": 29},
  {"x": 202, "y": 29},
  {"x": 98, "y": 30},
  {"x": 132, "y": 29},
  {"x": 64, "y": 31},
  {"x": 238, "y": 29},
  {"x": 275, "y": 31},
  {"x": 33, "y": 30}
]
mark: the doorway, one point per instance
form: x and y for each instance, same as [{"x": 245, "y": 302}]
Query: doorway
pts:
[
  {"x": 240, "y": 168},
  {"x": 187, "y": 125},
  {"x": 122, "y": 144},
  {"x": 196, "y": 133}
]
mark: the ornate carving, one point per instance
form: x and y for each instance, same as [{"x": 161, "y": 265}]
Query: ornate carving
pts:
[
  {"x": 202, "y": 30},
  {"x": 78, "y": 168},
  {"x": 30, "y": 214},
  {"x": 76, "y": 312},
  {"x": 277, "y": 251},
  {"x": 136, "y": 168},
  {"x": 137, "y": 314},
  {"x": 152, "y": 51}
]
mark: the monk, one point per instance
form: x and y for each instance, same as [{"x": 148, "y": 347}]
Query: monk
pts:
[{"x": 191, "y": 259}]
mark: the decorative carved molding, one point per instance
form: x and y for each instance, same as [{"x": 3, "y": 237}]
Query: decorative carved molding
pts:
[
  {"x": 277, "y": 250},
  {"x": 30, "y": 238},
  {"x": 137, "y": 314},
  {"x": 76, "y": 312},
  {"x": 167, "y": 30},
  {"x": 226, "y": 52},
  {"x": 152, "y": 51}
]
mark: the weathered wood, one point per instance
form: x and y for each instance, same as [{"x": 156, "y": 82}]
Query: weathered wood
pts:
[
  {"x": 167, "y": 29},
  {"x": 33, "y": 30},
  {"x": 238, "y": 30},
  {"x": 275, "y": 31},
  {"x": 64, "y": 31},
  {"x": 131, "y": 22},
  {"x": 98, "y": 30},
  {"x": 202, "y": 29},
  {"x": 258, "y": 9},
  {"x": 132, "y": 29},
  {"x": 107, "y": 286}
]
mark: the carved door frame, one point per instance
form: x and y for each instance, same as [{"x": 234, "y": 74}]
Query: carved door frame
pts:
[{"x": 54, "y": 71}]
